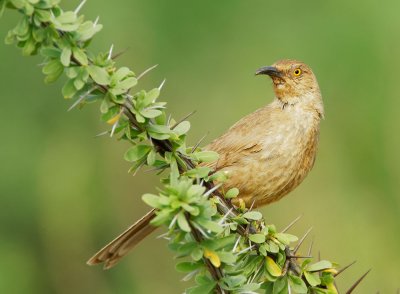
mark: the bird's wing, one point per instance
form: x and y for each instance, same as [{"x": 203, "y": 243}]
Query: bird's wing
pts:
[{"x": 242, "y": 139}]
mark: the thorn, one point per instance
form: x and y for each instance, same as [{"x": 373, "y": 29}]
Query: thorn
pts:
[
  {"x": 209, "y": 192},
  {"x": 357, "y": 282},
  {"x": 146, "y": 71},
  {"x": 190, "y": 275},
  {"x": 345, "y": 268},
  {"x": 79, "y": 6},
  {"x": 101, "y": 134},
  {"x": 183, "y": 119},
  {"x": 162, "y": 84},
  {"x": 311, "y": 247},
  {"x": 115, "y": 56},
  {"x": 292, "y": 223},
  {"x": 236, "y": 244},
  {"x": 252, "y": 204},
  {"x": 256, "y": 273},
  {"x": 245, "y": 250},
  {"x": 83, "y": 96},
  {"x": 200, "y": 230},
  {"x": 173, "y": 221},
  {"x": 225, "y": 216},
  {"x": 110, "y": 52},
  {"x": 336, "y": 287},
  {"x": 169, "y": 119},
  {"x": 113, "y": 128},
  {"x": 297, "y": 256},
  {"x": 301, "y": 241},
  {"x": 162, "y": 235},
  {"x": 96, "y": 21},
  {"x": 162, "y": 167},
  {"x": 198, "y": 143}
]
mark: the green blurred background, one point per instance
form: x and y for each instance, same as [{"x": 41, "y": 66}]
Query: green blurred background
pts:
[{"x": 65, "y": 193}]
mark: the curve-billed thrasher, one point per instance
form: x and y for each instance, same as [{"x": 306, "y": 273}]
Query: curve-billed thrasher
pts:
[{"x": 266, "y": 154}]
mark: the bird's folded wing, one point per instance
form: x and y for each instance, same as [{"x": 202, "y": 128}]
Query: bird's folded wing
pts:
[{"x": 242, "y": 139}]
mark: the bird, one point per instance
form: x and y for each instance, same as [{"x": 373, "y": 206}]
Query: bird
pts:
[{"x": 266, "y": 154}]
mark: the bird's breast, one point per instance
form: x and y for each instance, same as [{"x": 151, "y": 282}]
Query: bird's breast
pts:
[{"x": 287, "y": 155}]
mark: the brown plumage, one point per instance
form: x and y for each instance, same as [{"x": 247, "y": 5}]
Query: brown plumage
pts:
[{"x": 266, "y": 154}]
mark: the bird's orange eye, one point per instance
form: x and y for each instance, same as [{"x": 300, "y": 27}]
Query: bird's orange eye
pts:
[{"x": 297, "y": 72}]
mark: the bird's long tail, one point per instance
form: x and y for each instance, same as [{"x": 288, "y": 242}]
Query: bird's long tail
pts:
[{"x": 120, "y": 246}]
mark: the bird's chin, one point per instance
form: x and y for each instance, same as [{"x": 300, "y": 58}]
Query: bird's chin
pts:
[{"x": 279, "y": 84}]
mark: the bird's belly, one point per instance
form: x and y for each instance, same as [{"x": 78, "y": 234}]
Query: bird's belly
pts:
[{"x": 267, "y": 177}]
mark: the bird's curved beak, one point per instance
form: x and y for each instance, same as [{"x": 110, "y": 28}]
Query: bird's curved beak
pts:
[{"x": 272, "y": 71}]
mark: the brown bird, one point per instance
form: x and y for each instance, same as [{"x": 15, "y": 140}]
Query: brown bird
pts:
[{"x": 266, "y": 154}]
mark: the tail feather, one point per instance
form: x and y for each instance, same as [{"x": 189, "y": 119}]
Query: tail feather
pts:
[{"x": 120, "y": 246}]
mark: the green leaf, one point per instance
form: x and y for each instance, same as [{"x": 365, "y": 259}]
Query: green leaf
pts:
[
  {"x": 273, "y": 247},
  {"x": 79, "y": 84},
  {"x": 128, "y": 83},
  {"x": 211, "y": 226},
  {"x": 182, "y": 128},
  {"x": 151, "y": 200},
  {"x": 253, "y": 215},
  {"x": 43, "y": 15},
  {"x": 53, "y": 69},
  {"x": 160, "y": 129},
  {"x": 197, "y": 254},
  {"x": 312, "y": 278},
  {"x": 227, "y": 257},
  {"x": 232, "y": 193},
  {"x": 151, "y": 157},
  {"x": 121, "y": 73},
  {"x": 2, "y": 7},
  {"x": 67, "y": 17},
  {"x": 182, "y": 222},
  {"x": 272, "y": 267},
  {"x": 22, "y": 27},
  {"x": 161, "y": 217},
  {"x": 198, "y": 172},
  {"x": 50, "y": 52},
  {"x": 285, "y": 238},
  {"x": 137, "y": 152},
  {"x": 280, "y": 286},
  {"x": 158, "y": 136},
  {"x": 159, "y": 132},
  {"x": 257, "y": 238},
  {"x": 99, "y": 74},
  {"x": 18, "y": 3},
  {"x": 202, "y": 289},
  {"x": 150, "y": 113},
  {"x": 297, "y": 284},
  {"x": 87, "y": 30},
  {"x": 151, "y": 96},
  {"x": 69, "y": 89},
  {"x": 318, "y": 266},
  {"x": 205, "y": 156},
  {"x": 80, "y": 56},
  {"x": 29, "y": 47},
  {"x": 186, "y": 266},
  {"x": 193, "y": 210},
  {"x": 66, "y": 56},
  {"x": 184, "y": 249}
]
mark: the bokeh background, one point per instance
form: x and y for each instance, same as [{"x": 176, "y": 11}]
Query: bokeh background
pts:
[{"x": 65, "y": 193}]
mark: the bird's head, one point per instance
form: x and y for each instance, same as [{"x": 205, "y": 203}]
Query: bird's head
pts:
[{"x": 293, "y": 82}]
